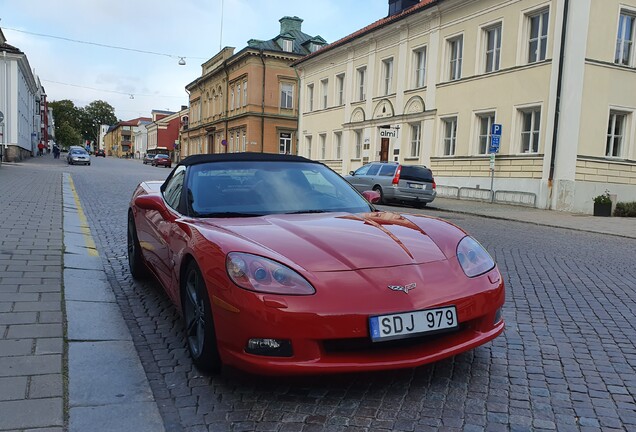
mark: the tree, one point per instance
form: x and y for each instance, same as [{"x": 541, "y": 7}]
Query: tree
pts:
[
  {"x": 66, "y": 135},
  {"x": 65, "y": 113},
  {"x": 93, "y": 115}
]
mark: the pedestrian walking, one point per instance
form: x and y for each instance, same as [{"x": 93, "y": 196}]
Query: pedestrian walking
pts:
[
  {"x": 40, "y": 149},
  {"x": 56, "y": 151}
]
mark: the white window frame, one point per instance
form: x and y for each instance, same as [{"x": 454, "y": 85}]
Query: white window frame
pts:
[
  {"x": 494, "y": 64},
  {"x": 322, "y": 139},
  {"x": 245, "y": 93},
  {"x": 625, "y": 51},
  {"x": 357, "y": 150},
  {"x": 449, "y": 135},
  {"x": 308, "y": 144},
  {"x": 534, "y": 130},
  {"x": 310, "y": 97},
  {"x": 287, "y": 91},
  {"x": 231, "y": 98},
  {"x": 244, "y": 140},
  {"x": 490, "y": 117},
  {"x": 540, "y": 39},
  {"x": 337, "y": 145},
  {"x": 284, "y": 143},
  {"x": 419, "y": 67},
  {"x": 416, "y": 140},
  {"x": 622, "y": 136},
  {"x": 387, "y": 76},
  {"x": 238, "y": 95},
  {"x": 340, "y": 83},
  {"x": 288, "y": 45},
  {"x": 361, "y": 74},
  {"x": 324, "y": 89},
  {"x": 455, "y": 47}
]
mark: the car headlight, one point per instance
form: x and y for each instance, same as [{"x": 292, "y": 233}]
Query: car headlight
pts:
[
  {"x": 255, "y": 273},
  {"x": 473, "y": 258}
]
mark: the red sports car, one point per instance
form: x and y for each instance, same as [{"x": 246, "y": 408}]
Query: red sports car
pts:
[
  {"x": 161, "y": 160},
  {"x": 279, "y": 266}
]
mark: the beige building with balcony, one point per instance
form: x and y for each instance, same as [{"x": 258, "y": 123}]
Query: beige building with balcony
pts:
[
  {"x": 248, "y": 101},
  {"x": 425, "y": 85},
  {"x": 119, "y": 139}
]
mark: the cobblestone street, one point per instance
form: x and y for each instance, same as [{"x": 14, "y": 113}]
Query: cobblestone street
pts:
[{"x": 566, "y": 360}]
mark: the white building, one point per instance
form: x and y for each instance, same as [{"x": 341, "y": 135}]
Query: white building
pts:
[
  {"x": 19, "y": 102},
  {"x": 140, "y": 140}
]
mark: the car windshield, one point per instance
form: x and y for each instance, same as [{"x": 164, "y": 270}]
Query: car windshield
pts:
[
  {"x": 79, "y": 152},
  {"x": 255, "y": 188},
  {"x": 162, "y": 156}
]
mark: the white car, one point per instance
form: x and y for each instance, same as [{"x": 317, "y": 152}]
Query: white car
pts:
[{"x": 78, "y": 156}]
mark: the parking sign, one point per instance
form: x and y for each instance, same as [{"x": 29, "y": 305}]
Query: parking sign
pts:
[{"x": 495, "y": 137}]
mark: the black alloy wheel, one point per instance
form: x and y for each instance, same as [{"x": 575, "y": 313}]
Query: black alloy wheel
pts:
[
  {"x": 137, "y": 267},
  {"x": 378, "y": 189},
  {"x": 199, "y": 323}
]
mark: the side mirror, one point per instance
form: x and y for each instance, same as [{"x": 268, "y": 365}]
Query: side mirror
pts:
[
  {"x": 372, "y": 196},
  {"x": 150, "y": 202},
  {"x": 352, "y": 173}
]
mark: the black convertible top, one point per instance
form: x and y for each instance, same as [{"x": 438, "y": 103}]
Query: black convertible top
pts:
[{"x": 225, "y": 157}]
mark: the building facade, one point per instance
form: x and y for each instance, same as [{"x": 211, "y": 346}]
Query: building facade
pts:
[
  {"x": 248, "y": 101},
  {"x": 20, "y": 97},
  {"x": 119, "y": 140},
  {"x": 163, "y": 132},
  {"x": 425, "y": 85}
]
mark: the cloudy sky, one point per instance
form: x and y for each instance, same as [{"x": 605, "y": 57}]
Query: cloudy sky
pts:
[{"x": 179, "y": 28}]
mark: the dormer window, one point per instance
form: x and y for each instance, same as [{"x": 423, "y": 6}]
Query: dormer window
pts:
[{"x": 288, "y": 45}]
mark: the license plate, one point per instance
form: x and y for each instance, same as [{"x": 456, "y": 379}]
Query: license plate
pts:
[
  {"x": 409, "y": 324},
  {"x": 416, "y": 186}
]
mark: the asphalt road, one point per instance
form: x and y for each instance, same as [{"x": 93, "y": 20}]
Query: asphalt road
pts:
[{"x": 567, "y": 360}]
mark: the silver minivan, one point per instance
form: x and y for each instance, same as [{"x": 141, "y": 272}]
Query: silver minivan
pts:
[{"x": 412, "y": 184}]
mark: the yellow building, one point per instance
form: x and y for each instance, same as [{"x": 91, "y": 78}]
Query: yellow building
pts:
[
  {"x": 425, "y": 85},
  {"x": 119, "y": 139},
  {"x": 248, "y": 101}
]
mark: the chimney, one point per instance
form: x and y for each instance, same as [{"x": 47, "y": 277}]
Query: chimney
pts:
[
  {"x": 184, "y": 107},
  {"x": 288, "y": 24},
  {"x": 397, "y": 6}
]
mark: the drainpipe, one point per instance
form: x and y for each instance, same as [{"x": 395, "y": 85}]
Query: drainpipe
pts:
[
  {"x": 227, "y": 100},
  {"x": 297, "y": 107},
  {"x": 555, "y": 131},
  {"x": 5, "y": 129},
  {"x": 263, "y": 104}
]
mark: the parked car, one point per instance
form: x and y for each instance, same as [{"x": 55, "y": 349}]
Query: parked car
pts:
[
  {"x": 100, "y": 152},
  {"x": 412, "y": 184},
  {"x": 162, "y": 160},
  {"x": 279, "y": 266},
  {"x": 148, "y": 159},
  {"x": 78, "y": 155}
]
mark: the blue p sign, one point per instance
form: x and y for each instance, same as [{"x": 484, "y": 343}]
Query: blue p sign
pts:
[{"x": 496, "y": 129}]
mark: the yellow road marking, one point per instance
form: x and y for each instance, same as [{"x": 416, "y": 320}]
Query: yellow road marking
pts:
[{"x": 86, "y": 232}]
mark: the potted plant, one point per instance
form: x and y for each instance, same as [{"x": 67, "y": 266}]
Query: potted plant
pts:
[{"x": 603, "y": 204}]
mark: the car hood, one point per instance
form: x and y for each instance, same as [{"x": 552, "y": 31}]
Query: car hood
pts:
[{"x": 333, "y": 241}]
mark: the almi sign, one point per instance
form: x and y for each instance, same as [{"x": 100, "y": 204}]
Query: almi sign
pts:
[{"x": 388, "y": 133}]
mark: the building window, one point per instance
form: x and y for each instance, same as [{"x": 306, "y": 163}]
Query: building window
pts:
[
  {"x": 287, "y": 95},
  {"x": 244, "y": 140},
  {"x": 538, "y": 40},
  {"x": 284, "y": 140},
  {"x": 238, "y": 95},
  {"x": 358, "y": 149},
  {"x": 340, "y": 89},
  {"x": 493, "y": 48},
  {"x": 455, "y": 50},
  {"x": 625, "y": 39},
  {"x": 337, "y": 138},
  {"x": 387, "y": 67},
  {"x": 308, "y": 141},
  {"x": 231, "y": 149},
  {"x": 288, "y": 45},
  {"x": 419, "y": 60},
  {"x": 244, "y": 93},
  {"x": 362, "y": 83},
  {"x": 231, "y": 98},
  {"x": 530, "y": 125},
  {"x": 310, "y": 97},
  {"x": 323, "y": 146},
  {"x": 416, "y": 138},
  {"x": 450, "y": 135},
  {"x": 324, "y": 84},
  {"x": 485, "y": 128},
  {"x": 615, "y": 133}
]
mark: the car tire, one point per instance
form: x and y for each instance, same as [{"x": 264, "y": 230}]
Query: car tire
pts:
[
  {"x": 378, "y": 189},
  {"x": 199, "y": 324},
  {"x": 136, "y": 264},
  {"x": 420, "y": 205}
]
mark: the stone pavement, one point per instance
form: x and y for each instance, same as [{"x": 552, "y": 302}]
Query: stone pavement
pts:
[{"x": 66, "y": 357}]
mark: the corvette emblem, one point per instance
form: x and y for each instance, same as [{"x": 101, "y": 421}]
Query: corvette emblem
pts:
[{"x": 403, "y": 288}]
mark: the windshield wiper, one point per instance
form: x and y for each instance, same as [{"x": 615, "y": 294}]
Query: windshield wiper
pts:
[
  {"x": 227, "y": 215},
  {"x": 308, "y": 211}
]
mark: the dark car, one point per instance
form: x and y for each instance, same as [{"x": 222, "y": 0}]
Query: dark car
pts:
[
  {"x": 280, "y": 267},
  {"x": 412, "y": 184},
  {"x": 162, "y": 160},
  {"x": 100, "y": 152},
  {"x": 148, "y": 159}
]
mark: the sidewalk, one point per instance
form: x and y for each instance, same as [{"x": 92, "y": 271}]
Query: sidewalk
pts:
[{"x": 67, "y": 361}]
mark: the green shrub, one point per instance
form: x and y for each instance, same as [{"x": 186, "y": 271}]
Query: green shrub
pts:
[
  {"x": 625, "y": 209},
  {"x": 604, "y": 198}
]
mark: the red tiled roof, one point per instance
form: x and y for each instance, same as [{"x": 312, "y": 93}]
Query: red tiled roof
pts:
[
  {"x": 134, "y": 122},
  {"x": 371, "y": 27}
]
